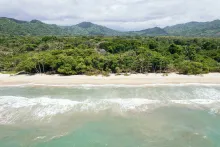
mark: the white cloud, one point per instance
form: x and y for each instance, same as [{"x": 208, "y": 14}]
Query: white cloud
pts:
[{"x": 117, "y": 14}]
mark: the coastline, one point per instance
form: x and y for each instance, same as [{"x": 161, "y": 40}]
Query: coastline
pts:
[{"x": 133, "y": 79}]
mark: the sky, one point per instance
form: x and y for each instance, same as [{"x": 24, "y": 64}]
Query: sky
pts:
[{"x": 124, "y": 15}]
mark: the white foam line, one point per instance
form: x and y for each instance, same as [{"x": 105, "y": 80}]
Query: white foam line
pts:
[
  {"x": 58, "y": 136},
  {"x": 20, "y": 102},
  {"x": 39, "y": 137},
  {"x": 196, "y": 101},
  {"x": 109, "y": 85},
  {"x": 12, "y": 108}
]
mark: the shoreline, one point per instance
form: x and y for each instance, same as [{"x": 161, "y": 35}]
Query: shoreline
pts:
[{"x": 132, "y": 80}]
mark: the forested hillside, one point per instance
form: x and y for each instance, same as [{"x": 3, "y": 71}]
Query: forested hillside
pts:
[
  {"x": 103, "y": 55},
  {"x": 149, "y": 32},
  {"x": 10, "y": 26},
  {"x": 195, "y": 29}
]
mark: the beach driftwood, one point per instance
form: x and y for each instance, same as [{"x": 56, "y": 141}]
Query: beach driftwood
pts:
[{"x": 19, "y": 73}]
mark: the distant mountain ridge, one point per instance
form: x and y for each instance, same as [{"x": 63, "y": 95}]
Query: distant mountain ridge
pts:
[
  {"x": 152, "y": 32},
  {"x": 10, "y": 26},
  {"x": 211, "y": 28}
]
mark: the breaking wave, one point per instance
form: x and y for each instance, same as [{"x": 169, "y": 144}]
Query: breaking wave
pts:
[{"x": 14, "y": 109}]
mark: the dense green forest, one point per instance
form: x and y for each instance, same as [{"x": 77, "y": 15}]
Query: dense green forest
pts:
[
  {"x": 93, "y": 55},
  {"x": 10, "y": 26}
]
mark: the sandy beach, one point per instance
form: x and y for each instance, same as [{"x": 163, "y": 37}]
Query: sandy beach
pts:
[{"x": 134, "y": 79}]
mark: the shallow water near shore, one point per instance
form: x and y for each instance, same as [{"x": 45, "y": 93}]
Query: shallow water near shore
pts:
[{"x": 114, "y": 116}]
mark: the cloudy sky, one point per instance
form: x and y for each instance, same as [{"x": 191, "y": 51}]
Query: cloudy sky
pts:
[{"x": 116, "y": 14}]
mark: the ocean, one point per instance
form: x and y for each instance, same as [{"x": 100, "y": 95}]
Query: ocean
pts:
[{"x": 110, "y": 116}]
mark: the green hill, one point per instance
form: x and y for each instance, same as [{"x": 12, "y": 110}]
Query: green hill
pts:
[
  {"x": 93, "y": 29},
  {"x": 195, "y": 29},
  {"x": 10, "y": 26},
  {"x": 38, "y": 28},
  {"x": 34, "y": 27},
  {"x": 152, "y": 32}
]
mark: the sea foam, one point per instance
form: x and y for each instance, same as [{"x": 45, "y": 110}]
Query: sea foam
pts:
[
  {"x": 109, "y": 85},
  {"x": 16, "y": 108}
]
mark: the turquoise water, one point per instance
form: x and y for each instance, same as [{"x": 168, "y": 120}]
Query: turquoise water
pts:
[{"x": 112, "y": 116}]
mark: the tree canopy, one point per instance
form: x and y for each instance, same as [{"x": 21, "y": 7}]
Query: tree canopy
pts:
[{"x": 103, "y": 55}]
